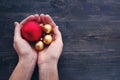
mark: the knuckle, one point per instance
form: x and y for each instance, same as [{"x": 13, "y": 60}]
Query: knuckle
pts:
[
  {"x": 14, "y": 45},
  {"x": 16, "y": 39},
  {"x": 62, "y": 44}
]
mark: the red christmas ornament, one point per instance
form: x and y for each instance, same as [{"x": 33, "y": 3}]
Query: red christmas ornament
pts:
[{"x": 31, "y": 31}]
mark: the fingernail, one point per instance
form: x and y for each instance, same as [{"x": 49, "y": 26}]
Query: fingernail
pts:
[
  {"x": 41, "y": 14},
  {"x": 47, "y": 15},
  {"x": 36, "y": 14},
  {"x": 57, "y": 27},
  {"x": 15, "y": 23}
]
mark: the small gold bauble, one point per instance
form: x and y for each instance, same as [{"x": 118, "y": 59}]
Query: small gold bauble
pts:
[
  {"x": 39, "y": 45},
  {"x": 47, "y": 28},
  {"x": 47, "y": 39}
]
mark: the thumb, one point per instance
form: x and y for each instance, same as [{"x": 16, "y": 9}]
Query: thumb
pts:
[
  {"x": 17, "y": 32},
  {"x": 57, "y": 33}
]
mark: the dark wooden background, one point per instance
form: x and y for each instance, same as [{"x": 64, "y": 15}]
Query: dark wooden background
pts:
[{"x": 91, "y": 35}]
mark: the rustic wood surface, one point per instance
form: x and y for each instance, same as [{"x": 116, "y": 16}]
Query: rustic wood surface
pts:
[{"x": 91, "y": 35}]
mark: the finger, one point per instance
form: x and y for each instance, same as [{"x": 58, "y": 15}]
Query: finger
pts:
[
  {"x": 29, "y": 18},
  {"x": 57, "y": 33},
  {"x": 49, "y": 20},
  {"x": 17, "y": 30},
  {"x": 42, "y": 18},
  {"x": 37, "y": 18}
]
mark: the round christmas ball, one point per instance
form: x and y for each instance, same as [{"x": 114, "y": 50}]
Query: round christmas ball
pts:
[
  {"x": 31, "y": 31},
  {"x": 47, "y": 39},
  {"x": 47, "y": 28},
  {"x": 39, "y": 46}
]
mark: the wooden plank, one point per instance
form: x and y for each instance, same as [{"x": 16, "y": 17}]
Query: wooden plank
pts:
[{"x": 90, "y": 30}]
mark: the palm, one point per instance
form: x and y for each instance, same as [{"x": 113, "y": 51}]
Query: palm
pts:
[
  {"x": 22, "y": 47},
  {"x": 50, "y": 53},
  {"x": 53, "y": 51}
]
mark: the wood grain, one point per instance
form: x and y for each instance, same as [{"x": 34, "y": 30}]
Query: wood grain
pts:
[{"x": 90, "y": 30}]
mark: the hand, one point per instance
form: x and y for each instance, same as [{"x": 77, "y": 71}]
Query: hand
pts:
[
  {"x": 22, "y": 47},
  {"x": 27, "y": 55},
  {"x": 52, "y": 53}
]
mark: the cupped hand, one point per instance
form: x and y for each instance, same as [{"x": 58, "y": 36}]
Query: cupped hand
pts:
[
  {"x": 52, "y": 53},
  {"x": 22, "y": 47},
  {"x": 25, "y": 50}
]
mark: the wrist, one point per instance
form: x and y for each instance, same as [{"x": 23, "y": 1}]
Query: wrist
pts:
[
  {"x": 42, "y": 62},
  {"x": 49, "y": 64},
  {"x": 24, "y": 69},
  {"x": 47, "y": 67},
  {"x": 30, "y": 61},
  {"x": 48, "y": 71}
]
